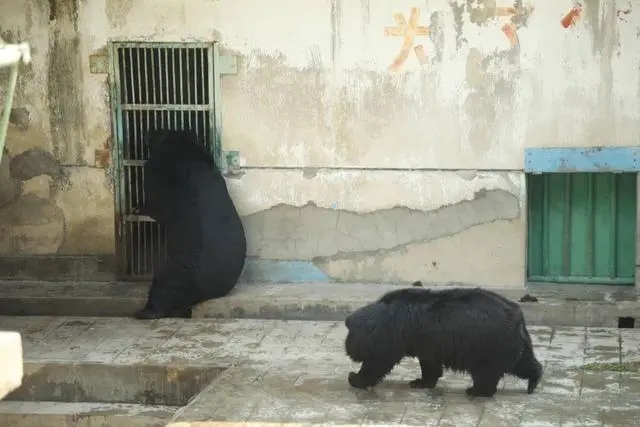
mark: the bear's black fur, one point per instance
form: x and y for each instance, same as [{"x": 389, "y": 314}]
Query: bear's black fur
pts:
[
  {"x": 465, "y": 330},
  {"x": 206, "y": 244}
]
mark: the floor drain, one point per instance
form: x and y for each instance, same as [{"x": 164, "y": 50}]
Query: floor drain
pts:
[{"x": 626, "y": 322}]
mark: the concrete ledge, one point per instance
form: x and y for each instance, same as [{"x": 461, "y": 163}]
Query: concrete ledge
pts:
[
  {"x": 71, "y": 298},
  {"x": 59, "y": 414},
  {"x": 597, "y": 306},
  {"x": 563, "y": 305},
  {"x": 249, "y": 424},
  {"x": 11, "y": 362},
  {"x": 58, "y": 267}
]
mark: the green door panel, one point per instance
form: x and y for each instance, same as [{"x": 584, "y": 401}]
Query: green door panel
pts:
[{"x": 582, "y": 228}]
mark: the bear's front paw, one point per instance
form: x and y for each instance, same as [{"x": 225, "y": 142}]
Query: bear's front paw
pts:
[
  {"x": 423, "y": 383},
  {"x": 474, "y": 392},
  {"x": 356, "y": 380}
]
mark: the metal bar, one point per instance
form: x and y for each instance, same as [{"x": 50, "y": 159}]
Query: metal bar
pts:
[
  {"x": 159, "y": 98},
  {"x": 171, "y": 45},
  {"x": 613, "y": 232},
  {"x": 144, "y": 121},
  {"x": 189, "y": 77},
  {"x": 157, "y": 90},
  {"x": 116, "y": 120},
  {"x": 197, "y": 82},
  {"x": 144, "y": 118},
  {"x": 139, "y": 101},
  {"x": 151, "y": 76},
  {"x": 167, "y": 84},
  {"x": 10, "y": 57},
  {"x": 138, "y": 218},
  {"x": 126, "y": 123},
  {"x": 174, "y": 86},
  {"x": 8, "y": 104},
  {"x": 181, "y": 81},
  {"x": 216, "y": 102}
]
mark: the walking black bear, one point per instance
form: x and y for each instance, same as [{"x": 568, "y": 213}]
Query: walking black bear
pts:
[
  {"x": 206, "y": 244},
  {"x": 465, "y": 330}
]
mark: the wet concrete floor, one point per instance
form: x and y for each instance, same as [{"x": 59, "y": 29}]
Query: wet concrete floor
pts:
[{"x": 284, "y": 372}]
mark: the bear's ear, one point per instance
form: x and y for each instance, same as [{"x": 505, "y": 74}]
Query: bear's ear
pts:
[
  {"x": 348, "y": 322},
  {"x": 368, "y": 317}
]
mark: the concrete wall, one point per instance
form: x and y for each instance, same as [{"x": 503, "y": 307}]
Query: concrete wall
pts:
[{"x": 358, "y": 163}]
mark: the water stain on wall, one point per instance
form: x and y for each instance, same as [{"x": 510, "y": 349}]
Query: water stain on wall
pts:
[
  {"x": 491, "y": 77},
  {"x": 65, "y": 83},
  {"x": 117, "y": 12}
]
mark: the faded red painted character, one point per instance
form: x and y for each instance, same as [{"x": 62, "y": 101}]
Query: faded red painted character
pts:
[{"x": 572, "y": 16}]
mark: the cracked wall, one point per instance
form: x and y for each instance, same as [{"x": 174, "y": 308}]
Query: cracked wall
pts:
[
  {"x": 454, "y": 243},
  {"x": 355, "y": 162},
  {"x": 384, "y": 226}
]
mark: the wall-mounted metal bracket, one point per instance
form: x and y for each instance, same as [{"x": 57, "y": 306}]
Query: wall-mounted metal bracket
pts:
[
  {"x": 99, "y": 63},
  {"x": 230, "y": 161},
  {"x": 228, "y": 64}
]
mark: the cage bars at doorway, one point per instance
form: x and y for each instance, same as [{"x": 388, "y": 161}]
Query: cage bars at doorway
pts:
[
  {"x": 155, "y": 85},
  {"x": 11, "y": 55}
]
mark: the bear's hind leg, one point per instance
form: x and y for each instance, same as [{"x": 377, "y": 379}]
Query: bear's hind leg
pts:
[
  {"x": 485, "y": 383},
  {"x": 528, "y": 368},
  {"x": 431, "y": 373},
  {"x": 171, "y": 293}
]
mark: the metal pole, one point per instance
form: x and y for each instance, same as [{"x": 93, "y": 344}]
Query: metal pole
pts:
[
  {"x": 6, "y": 109},
  {"x": 10, "y": 56}
]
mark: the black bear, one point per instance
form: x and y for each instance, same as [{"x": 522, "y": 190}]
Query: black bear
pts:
[
  {"x": 206, "y": 244},
  {"x": 466, "y": 330}
]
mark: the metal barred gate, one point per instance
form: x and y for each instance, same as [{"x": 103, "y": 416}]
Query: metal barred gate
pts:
[{"x": 155, "y": 85}]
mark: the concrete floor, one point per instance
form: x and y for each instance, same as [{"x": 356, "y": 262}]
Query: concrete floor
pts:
[{"x": 284, "y": 372}]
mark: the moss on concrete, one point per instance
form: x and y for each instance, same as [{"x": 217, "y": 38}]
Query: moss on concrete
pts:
[{"x": 614, "y": 367}]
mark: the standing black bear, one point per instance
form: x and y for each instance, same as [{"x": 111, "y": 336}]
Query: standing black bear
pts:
[
  {"x": 465, "y": 330},
  {"x": 206, "y": 244}
]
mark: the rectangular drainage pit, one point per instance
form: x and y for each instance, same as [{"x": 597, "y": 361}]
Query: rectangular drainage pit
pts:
[{"x": 89, "y": 394}]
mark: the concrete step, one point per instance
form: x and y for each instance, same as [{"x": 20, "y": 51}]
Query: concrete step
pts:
[
  {"x": 61, "y": 414},
  {"x": 552, "y": 305},
  {"x": 62, "y": 394}
]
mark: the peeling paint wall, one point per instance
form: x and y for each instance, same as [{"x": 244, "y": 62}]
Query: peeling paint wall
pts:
[
  {"x": 55, "y": 197},
  {"x": 379, "y": 140}
]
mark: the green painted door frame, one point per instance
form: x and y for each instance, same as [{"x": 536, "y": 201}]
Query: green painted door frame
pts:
[{"x": 582, "y": 227}]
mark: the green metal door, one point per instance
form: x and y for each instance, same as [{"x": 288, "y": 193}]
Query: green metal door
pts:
[{"x": 582, "y": 228}]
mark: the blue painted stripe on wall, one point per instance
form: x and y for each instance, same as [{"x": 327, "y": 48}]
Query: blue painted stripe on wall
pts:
[
  {"x": 602, "y": 159},
  {"x": 270, "y": 270}
]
